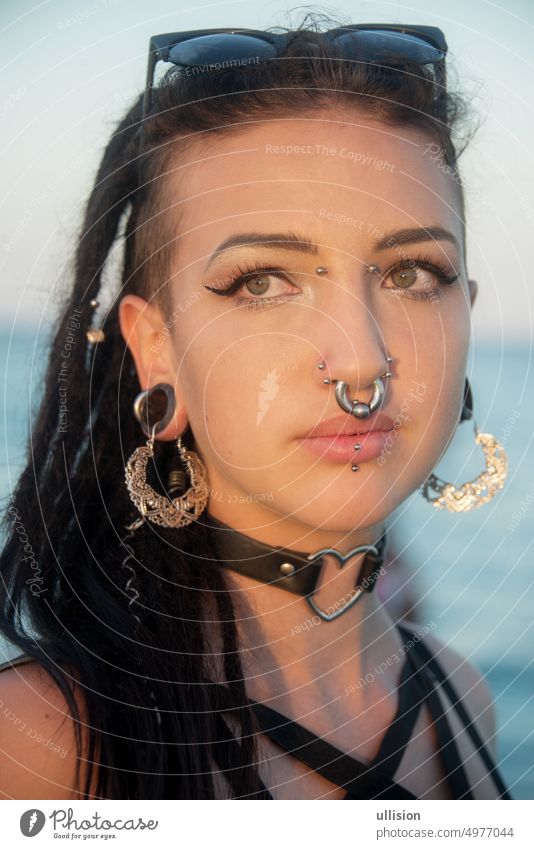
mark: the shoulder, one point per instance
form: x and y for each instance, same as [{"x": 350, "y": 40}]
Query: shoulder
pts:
[
  {"x": 37, "y": 736},
  {"x": 467, "y": 680}
]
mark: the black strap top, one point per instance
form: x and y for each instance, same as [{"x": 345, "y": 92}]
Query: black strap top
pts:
[{"x": 421, "y": 676}]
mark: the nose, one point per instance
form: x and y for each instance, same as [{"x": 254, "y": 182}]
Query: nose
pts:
[{"x": 353, "y": 348}]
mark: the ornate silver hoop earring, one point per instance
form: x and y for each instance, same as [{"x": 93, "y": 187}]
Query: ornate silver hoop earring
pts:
[
  {"x": 480, "y": 490},
  {"x": 154, "y": 409}
]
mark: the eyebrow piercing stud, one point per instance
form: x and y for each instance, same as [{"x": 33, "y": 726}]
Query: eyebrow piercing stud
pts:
[{"x": 322, "y": 270}]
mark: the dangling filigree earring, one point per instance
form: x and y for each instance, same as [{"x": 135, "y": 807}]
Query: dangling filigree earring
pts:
[
  {"x": 479, "y": 491},
  {"x": 154, "y": 409}
]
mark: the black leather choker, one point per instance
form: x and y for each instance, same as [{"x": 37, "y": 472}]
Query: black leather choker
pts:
[{"x": 290, "y": 570}]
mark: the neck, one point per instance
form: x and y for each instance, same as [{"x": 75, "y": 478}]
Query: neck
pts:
[
  {"x": 331, "y": 577},
  {"x": 293, "y": 657},
  {"x": 338, "y": 652}
]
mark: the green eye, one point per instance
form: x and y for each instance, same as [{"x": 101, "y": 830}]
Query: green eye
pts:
[
  {"x": 258, "y": 284},
  {"x": 404, "y": 277}
]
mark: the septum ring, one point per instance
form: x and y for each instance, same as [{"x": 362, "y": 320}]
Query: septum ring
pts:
[{"x": 356, "y": 408}]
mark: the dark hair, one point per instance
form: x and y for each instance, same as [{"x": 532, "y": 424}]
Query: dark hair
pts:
[{"x": 71, "y": 501}]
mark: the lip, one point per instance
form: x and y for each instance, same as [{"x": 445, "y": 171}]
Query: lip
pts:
[
  {"x": 346, "y": 425},
  {"x": 335, "y": 438}
]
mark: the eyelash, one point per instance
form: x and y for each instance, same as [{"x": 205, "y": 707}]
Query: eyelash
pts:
[{"x": 242, "y": 274}]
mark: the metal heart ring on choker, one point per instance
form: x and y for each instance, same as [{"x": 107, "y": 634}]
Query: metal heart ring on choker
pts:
[{"x": 290, "y": 570}]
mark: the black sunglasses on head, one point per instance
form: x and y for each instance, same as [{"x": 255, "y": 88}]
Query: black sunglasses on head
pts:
[{"x": 391, "y": 45}]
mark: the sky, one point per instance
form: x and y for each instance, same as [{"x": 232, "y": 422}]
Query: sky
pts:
[{"x": 70, "y": 68}]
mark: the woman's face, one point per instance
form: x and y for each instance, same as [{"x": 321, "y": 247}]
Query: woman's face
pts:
[{"x": 245, "y": 366}]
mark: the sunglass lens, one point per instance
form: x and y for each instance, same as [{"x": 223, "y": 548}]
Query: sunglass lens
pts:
[
  {"x": 220, "y": 47},
  {"x": 381, "y": 46}
]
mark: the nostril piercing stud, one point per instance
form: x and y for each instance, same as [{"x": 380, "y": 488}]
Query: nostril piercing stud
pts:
[
  {"x": 321, "y": 269},
  {"x": 321, "y": 366}
]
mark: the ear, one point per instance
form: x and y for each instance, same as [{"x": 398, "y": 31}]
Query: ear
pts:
[
  {"x": 473, "y": 289},
  {"x": 149, "y": 340}
]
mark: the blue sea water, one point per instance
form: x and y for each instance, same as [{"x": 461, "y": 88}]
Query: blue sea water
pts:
[{"x": 472, "y": 572}]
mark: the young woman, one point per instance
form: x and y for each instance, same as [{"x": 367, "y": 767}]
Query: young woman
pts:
[{"x": 282, "y": 364}]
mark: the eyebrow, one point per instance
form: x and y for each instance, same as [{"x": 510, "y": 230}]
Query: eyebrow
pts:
[{"x": 293, "y": 242}]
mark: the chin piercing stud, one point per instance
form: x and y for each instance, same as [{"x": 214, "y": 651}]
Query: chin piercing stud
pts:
[
  {"x": 357, "y": 446},
  {"x": 354, "y": 468}
]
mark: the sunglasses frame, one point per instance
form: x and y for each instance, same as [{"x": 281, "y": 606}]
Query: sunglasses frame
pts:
[{"x": 160, "y": 45}]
